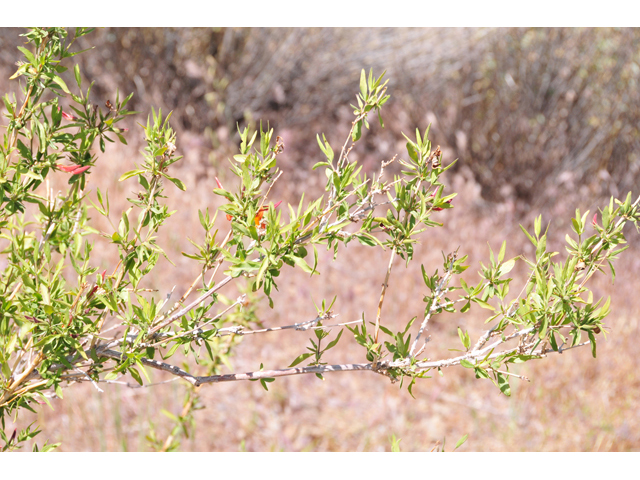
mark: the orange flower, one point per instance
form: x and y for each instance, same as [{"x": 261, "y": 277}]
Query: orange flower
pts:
[{"x": 258, "y": 218}]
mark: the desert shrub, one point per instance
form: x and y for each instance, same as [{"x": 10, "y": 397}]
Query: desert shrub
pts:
[{"x": 62, "y": 321}]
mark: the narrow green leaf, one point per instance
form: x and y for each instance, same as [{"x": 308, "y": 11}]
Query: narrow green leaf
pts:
[
  {"x": 357, "y": 131},
  {"x": 461, "y": 441},
  {"x": 592, "y": 339},
  {"x": 130, "y": 174},
  {"x": 506, "y": 267},
  {"x": 363, "y": 85},
  {"x": 533, "y": 240},
  {"x": 29, "y": 55},
  {"x": 334, "y": 342},
  {"x": 136, "y": 375},
  {"x": 484, "y": 304},
  {"x": 176, "y": 181},
  {"x": 76, "y": 71},
  {"x": 503, "y": 249},
  {"x": 503, "y": 384},
  {"x": 300, "y": 358},
  {"x": 61, "y": 83}
]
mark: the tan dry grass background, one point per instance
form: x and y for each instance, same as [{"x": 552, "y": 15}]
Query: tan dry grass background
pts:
[{"x": 573, "y": 403}]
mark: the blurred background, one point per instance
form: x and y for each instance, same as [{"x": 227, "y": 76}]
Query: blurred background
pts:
[{"x": 540, "y": 120}]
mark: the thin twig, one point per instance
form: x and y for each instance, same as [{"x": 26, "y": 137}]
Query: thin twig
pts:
[
  {"x": 199, "y": 330},
  {"x": 191, "y": 306},
  {"x": 270, "y": 187},
  {"x": 93, "y": 382},
  {"x": 302, "y": 326},
  {"x": 382, "y": 294},
  {"x": 435, "y": 305}
]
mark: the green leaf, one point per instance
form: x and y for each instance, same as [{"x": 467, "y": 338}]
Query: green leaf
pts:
[
  {"x": 506, "y": 267},
  {"x": 533, "y": 240},
  {"x": 144, "y": 370},
  {"x": 176, "y": 181},
  {"x": 58, "y": 390},
  {"x": 542, "y": 247},
  {"x": 483, "y": 304},
  {"x": 29, "y": 55},
  {"x": 461, "y": 441},
  {"x": 76, "y": 71},
  {"x": 262, "y": 270},
  {"x": 413, "y": 153},
  {"x": 45, "y": 399},
  {"x": 300, "y": 358},
  {"x": 357, "y": 131},
  {"x": 130, "y": 174},
  {"x": 264, "y": 381},
  {"x": 502, "y": 251},
  {"x": 303, "y": 265},
  {"x": 368, "y": 239},
  {"x": 171, "y": 351},
  {"x": 545, "y": 324},
  {"x": 60, "y": 82},
  {"x": 503, "y": 384},
  {"x": 464, "y": 338},
  {"x": 136, "y": 375},
  {"x": 20, "y": 71},
  {"x": 333, "y": 343},
  {"x": 24, "y": 150},
  {"x": 592, "y": 339},
  {"x": 8, "y": 104}
]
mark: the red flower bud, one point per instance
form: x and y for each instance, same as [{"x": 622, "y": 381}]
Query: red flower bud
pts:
[
  {"x": 67, "y": 168},
  {"x": 68, "y": 116},
  {"x": 219, "y": 184},
  {"x": 73, "y": 169},
  {"x": 93, "y": 290},
  {"x": 80, "y": 170},
  {"x": 595, "y": 219}
]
